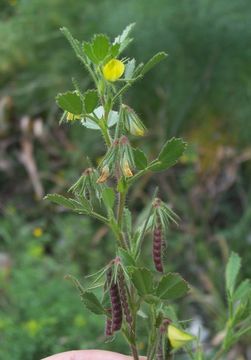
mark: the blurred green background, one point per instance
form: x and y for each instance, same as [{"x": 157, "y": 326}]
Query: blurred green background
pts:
[{"x": 202, "y": 92}]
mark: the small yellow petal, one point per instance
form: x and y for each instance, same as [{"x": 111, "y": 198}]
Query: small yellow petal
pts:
[
  {"x": 178, "y": 338},
  {"x": 71, "y": 117},
  {"x": 113, "y": 70}
]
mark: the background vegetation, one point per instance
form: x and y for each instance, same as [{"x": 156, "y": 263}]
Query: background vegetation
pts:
[{"x": 202, "y": 92}]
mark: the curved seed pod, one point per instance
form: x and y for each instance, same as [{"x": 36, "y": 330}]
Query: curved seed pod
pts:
[
  {"x": 157, "y": 247},
  {"x": 115, "y": 303},
  {"x": 108, "y": 325},
  {"x": 123, "y": 298}
]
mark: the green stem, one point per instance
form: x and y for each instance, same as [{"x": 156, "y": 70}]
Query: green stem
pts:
[
  {"x": 121, "y": 204},
  {"x": 106, "y": 135}
]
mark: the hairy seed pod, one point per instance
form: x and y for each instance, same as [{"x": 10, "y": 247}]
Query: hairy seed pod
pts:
[
  {"x": 123, "y": 298},
  {"x": 157, "y": 247},
  {"x": 115, "y": 303},
  {"x": 108, "y": 324}
]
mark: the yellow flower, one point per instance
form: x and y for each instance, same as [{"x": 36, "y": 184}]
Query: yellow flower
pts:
[
  {"x": 113, "y": 70},
  {"x": 178, "y": 338},
  {"x": 37, "y": 232},
  {"x": 71, "y": 117}
]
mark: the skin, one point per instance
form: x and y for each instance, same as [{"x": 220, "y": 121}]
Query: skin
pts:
[{"x": 90, "y": 355}]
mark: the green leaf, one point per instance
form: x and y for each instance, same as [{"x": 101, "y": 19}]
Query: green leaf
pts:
[
  {"x": 92, "y": 303},
  {"x": 108, "y": 197},
  {"x": 100, "y": 46},
  {"x": 243, "y": 291},
  {"x": 232, "y": 270},
  {"x": 73, "y": 42},
  {"x": 126, "y": 258},
  {"x": 123, "y": 40},
  {"x": 82, "y": 206},
  {"x": 89, "y": 299},
  {"x": 114, "y": 50},
  {"x": 151, "y": 299},
  {"x": 140, "y": 159},
  {"x": 88, "y": 50},
  {"x": 63, "y": 201},
  {"x": 129, "y": 69},
  {"x": 70, "y": 101},
  {"x": 153, "y": 61},
  {"x": 169, "y": 154},
  {"x": 90, "y": 100},
  {"x": 85, "y": 203},
  {"x": 171, "y": 286},
  {"x": 142, "y": 279}
]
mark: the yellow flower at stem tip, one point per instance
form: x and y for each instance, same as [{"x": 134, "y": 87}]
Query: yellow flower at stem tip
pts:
[
  {"x": 178, "y": 338},
  {"x": 113, "y": 70}
]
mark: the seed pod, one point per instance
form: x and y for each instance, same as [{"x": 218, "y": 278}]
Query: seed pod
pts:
[
  {"x": 123, "y": 298},
  {"x": 115, "y": 303},
  {"x": 159, "y": 355},
  {"x": 108, "y": 324},
  {"x": 157, "y": 247}
]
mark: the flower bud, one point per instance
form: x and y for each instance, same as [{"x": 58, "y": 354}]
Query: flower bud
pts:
[
  {"x": 105, "y": 173},
  {"x": 113, "y": 70},
  {"x": 178, "y": 338},
  {"x": 127, "y": 172},
  {"x": 133, "y": 124}
]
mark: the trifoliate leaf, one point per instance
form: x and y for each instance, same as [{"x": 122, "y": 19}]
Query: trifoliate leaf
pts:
[
  {"x": 70, "y": 102},
  {"x": 100, "y": 46},
  {"x": 169, "y": 154},
  {"x": 92, "y": 303},
  {"x": 142, "y": 279},
  {"x": 88, "y": 50},
  {"x": 140, "y": 159},
  {"x": 171, "y": 287},
  {"x": 90, "y": 100}
]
